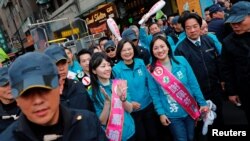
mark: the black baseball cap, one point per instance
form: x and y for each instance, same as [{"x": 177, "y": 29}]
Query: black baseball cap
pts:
[{"x": 238, "y": 12}]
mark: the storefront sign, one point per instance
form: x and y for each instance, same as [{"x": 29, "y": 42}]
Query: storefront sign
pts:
[
  {"x": 101, "y": 14},
  {"x": 96, "y": 19},
  {"x": 67, "y": 33}
]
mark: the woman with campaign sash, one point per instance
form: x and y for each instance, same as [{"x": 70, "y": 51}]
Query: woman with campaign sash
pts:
[
  {"x": 140, "y": 86},
  {"x": 179, "y": 102},
  {"x": 110, "y": 100}
]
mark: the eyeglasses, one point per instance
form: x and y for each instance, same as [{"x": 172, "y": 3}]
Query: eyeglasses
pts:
[{"x": 111, "y": 49}]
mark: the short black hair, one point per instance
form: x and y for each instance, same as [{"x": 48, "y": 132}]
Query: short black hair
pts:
[
  {"x": 81, "y": 52},
  {"x": 103, "y": 38},
  {"x": 120, "y": 46},
  {"x": 183, "y": 15},
  {"x": 150, "y": 24},
  {"x": 92, "y": 48},
  {"x": 191, "y": 16},
  {"x": 154, "y": 59},
  {"x": 207, "y": 8}
]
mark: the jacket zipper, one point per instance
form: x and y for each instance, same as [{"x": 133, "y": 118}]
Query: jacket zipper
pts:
[{"x": 203, "y": 61}]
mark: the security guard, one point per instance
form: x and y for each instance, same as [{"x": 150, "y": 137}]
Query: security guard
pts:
[
  {"x": 9, "y": 111},
  {"x": 73, "y": 93},
  {"x": 35, "y": 86}
]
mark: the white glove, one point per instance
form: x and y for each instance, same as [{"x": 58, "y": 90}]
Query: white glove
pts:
[
  {"x": 209, "y": 119},
  {"x": 211, "y": 105}
]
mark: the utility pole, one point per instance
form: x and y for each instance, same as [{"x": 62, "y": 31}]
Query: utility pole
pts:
[{"x": 18, "y": 34}]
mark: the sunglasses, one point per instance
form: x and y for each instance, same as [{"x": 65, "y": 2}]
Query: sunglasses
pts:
[{"x": 111, "y": 49}]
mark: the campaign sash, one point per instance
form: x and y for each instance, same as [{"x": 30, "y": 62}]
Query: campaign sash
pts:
[
  {"x": 116, "y": 116},
  {"x": 176, "y": 90}
]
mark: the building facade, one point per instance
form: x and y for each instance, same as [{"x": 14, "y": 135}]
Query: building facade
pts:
[{"x": 26, "y": 20}]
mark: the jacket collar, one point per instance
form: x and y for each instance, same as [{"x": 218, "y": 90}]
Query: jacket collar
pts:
[
  {"x": 69, "y": 119},
  {"x": 125, "y": 67},
  {"x": 175, "y": 66}
]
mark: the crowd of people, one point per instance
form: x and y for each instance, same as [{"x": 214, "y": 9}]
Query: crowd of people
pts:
[{"x": 158, "y": 83}]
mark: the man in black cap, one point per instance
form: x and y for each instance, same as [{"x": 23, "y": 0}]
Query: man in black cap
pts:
[
  {"x": 9, "y": 111},
  {"x": 110, "y": 50},
  {"x": 236, "y": 56},
  {"x": 35, "y": 86},
  {"x": 216, "y": 25},
  {"x": 73, "y": 93}
]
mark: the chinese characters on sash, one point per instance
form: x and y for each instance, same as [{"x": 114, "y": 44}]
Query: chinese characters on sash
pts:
[
  {"x": 176, "y": 90},
  {"x": 116, "y": 118}
]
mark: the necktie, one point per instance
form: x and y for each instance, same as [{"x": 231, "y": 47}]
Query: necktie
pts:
[{"x": 197, "y": 43}]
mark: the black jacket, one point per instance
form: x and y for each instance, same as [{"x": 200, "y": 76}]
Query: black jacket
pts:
[
  {"x": 143, "y": 54},
  {"x": 6, "y": 115},
  {"x": 236, "y": 64},
  {"x": 86, "y": 128},
  {"x": 204, "y": 62},
  {"x": 75, "y": 96}
]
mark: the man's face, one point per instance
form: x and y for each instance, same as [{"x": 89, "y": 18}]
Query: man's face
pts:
[
  {"x": 154, "y": 29},
  {"x": 207, "y": 16},
  {"x": 160, "y": 23},
  {"x": 102, "y": 44},
  {"x": 170, "y": 21},
  {"x": 111, "y": 52},
  {"x": 62, "y": 67},
  {"x": 204, "y": 27},
  {"x": 219, "y": 14},
  {"x": 70, "y": 55},
  {"x": 40, "y": 105},
  {"x": 84, "y": 61},
  {"x": 242, "y": 27},
  {"x": 177, "y": 27},
  {"x": 5, "y": 92},
  {"x": 192, "y": 29}
]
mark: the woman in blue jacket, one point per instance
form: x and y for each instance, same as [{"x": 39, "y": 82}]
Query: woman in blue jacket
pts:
[
  {"x": 101, "y": 93},
  {"x": 140, "y": 85},
  {"x": 172, "y": 113}
]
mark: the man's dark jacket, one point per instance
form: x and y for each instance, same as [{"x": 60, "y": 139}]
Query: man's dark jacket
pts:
[
  {"x": 236, "y": 64},
  {"x": 204, "y": 62},
  {"x": 8, "y": 110},
  {"x": 75, "y": 96},
  {"x": 86, "y": 128}
]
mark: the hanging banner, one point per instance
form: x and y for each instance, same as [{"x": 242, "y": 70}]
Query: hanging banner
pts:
[{"x": 191, "y": 5}]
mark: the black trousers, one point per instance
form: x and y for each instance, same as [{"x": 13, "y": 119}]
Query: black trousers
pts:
[
  {"x": 146, "y": 124},
  {"x": 217, "y": 99}
]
